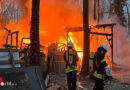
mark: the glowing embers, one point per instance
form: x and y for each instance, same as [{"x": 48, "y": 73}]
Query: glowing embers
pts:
[
  {"x": 80, "y": 54},
  {"x": 26, "y": 41},
  {"x": 61, "y": 46}
]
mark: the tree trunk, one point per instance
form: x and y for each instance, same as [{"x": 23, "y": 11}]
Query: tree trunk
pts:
[
  {"x": 128, "y": 17},
  {"x": 85, "y": 63},
  {"x": 34, "y": 34},
  {"x": 118, "y": 6},
  {"x": 98, "y": 11},
  {"x": 95, "y": 11},
  {"x": 129, "y": 23}
]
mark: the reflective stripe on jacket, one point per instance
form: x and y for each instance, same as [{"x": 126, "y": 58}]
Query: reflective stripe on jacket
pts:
[
  {"x": 71, "y": 69},
  {"x": 98, "y": 75},
  {"x": 70, "y": 60}
]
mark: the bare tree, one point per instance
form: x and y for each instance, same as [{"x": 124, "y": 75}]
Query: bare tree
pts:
[
  {"x": 98, "y": 9},
  {"x": 12, "y": 11},
  {"x": 98, "y": 5},
  {"x": 128, "y": 16},
  {"x": 95, "y": 9},
  {"x": 116, "y": 8}
]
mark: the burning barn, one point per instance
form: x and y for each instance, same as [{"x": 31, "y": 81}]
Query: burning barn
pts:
[
  {"x": 57, "y": 33},
  {"x": 99, "y": 34},
  {"x": 56, "y": 25}
]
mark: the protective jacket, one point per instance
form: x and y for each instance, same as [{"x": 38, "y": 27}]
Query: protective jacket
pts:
[
  {"x": 99, "y": 64},
  {"x": 71, "y": 59}
]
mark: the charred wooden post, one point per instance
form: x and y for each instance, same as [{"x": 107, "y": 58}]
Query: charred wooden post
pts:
[
  {"x": 11, "y": 39},
  {"x": 17, "y": 40},
  {"x": 9, "y": 31},
  {"x": 13, "y": 33},
  {"x": 10, "y": 34}
]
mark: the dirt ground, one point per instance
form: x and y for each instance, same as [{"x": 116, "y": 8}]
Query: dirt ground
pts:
[{"x": 59, "y": 82}]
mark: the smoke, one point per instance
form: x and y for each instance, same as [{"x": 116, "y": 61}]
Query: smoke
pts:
[
  {"x": 121, "y": 42},
  {"x": 121, "y": 50},
  {"x": 12, "y": 11},
  {"x": 122, "y": 53},
  {"x": 54, "y": 16}
]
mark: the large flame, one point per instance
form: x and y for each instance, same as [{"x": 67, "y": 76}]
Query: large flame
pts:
[{"x": 54, "y": 16}]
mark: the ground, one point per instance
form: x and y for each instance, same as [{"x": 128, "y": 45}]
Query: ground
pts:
[{"x": 58, "y": 82}]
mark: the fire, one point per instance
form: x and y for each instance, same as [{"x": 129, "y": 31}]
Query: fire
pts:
[
  {"x": 26, "y": 41},
  {"x": 54, "y": 15},
  {"x": 77, "y": 48},
  {"x": 80, "y": 55}
]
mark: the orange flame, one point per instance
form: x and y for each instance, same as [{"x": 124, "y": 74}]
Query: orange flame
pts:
[{"x": 53, "y": 17}]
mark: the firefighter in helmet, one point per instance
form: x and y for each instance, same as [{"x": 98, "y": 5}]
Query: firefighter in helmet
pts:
[
  {"x": 71, "y": 58},
  {"x": 99, "y": 67}
]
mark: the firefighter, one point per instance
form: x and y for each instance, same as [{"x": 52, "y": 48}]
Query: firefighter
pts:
[
  {"x": 99, "y": 67},
  {"x": 71, "y": 58}
]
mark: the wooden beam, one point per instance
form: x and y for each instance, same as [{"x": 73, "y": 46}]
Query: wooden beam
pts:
[
  {"x": 104, "y": 25},
  {"x": 77, "y": 29},
  {"x": 9, "y": 31},
  {"x": 105, "y": 34},
  {"x": 15, "y": 32}
]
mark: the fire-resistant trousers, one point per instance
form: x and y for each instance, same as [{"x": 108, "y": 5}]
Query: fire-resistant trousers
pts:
[
  {"x": 71, "y": 80},
  {"x": 98, "y": 84}
]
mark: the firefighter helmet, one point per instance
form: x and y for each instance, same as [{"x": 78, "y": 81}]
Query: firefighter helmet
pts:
[
  {"x": 70, "y": 44},
  {"x": 104, "y": 46}
]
